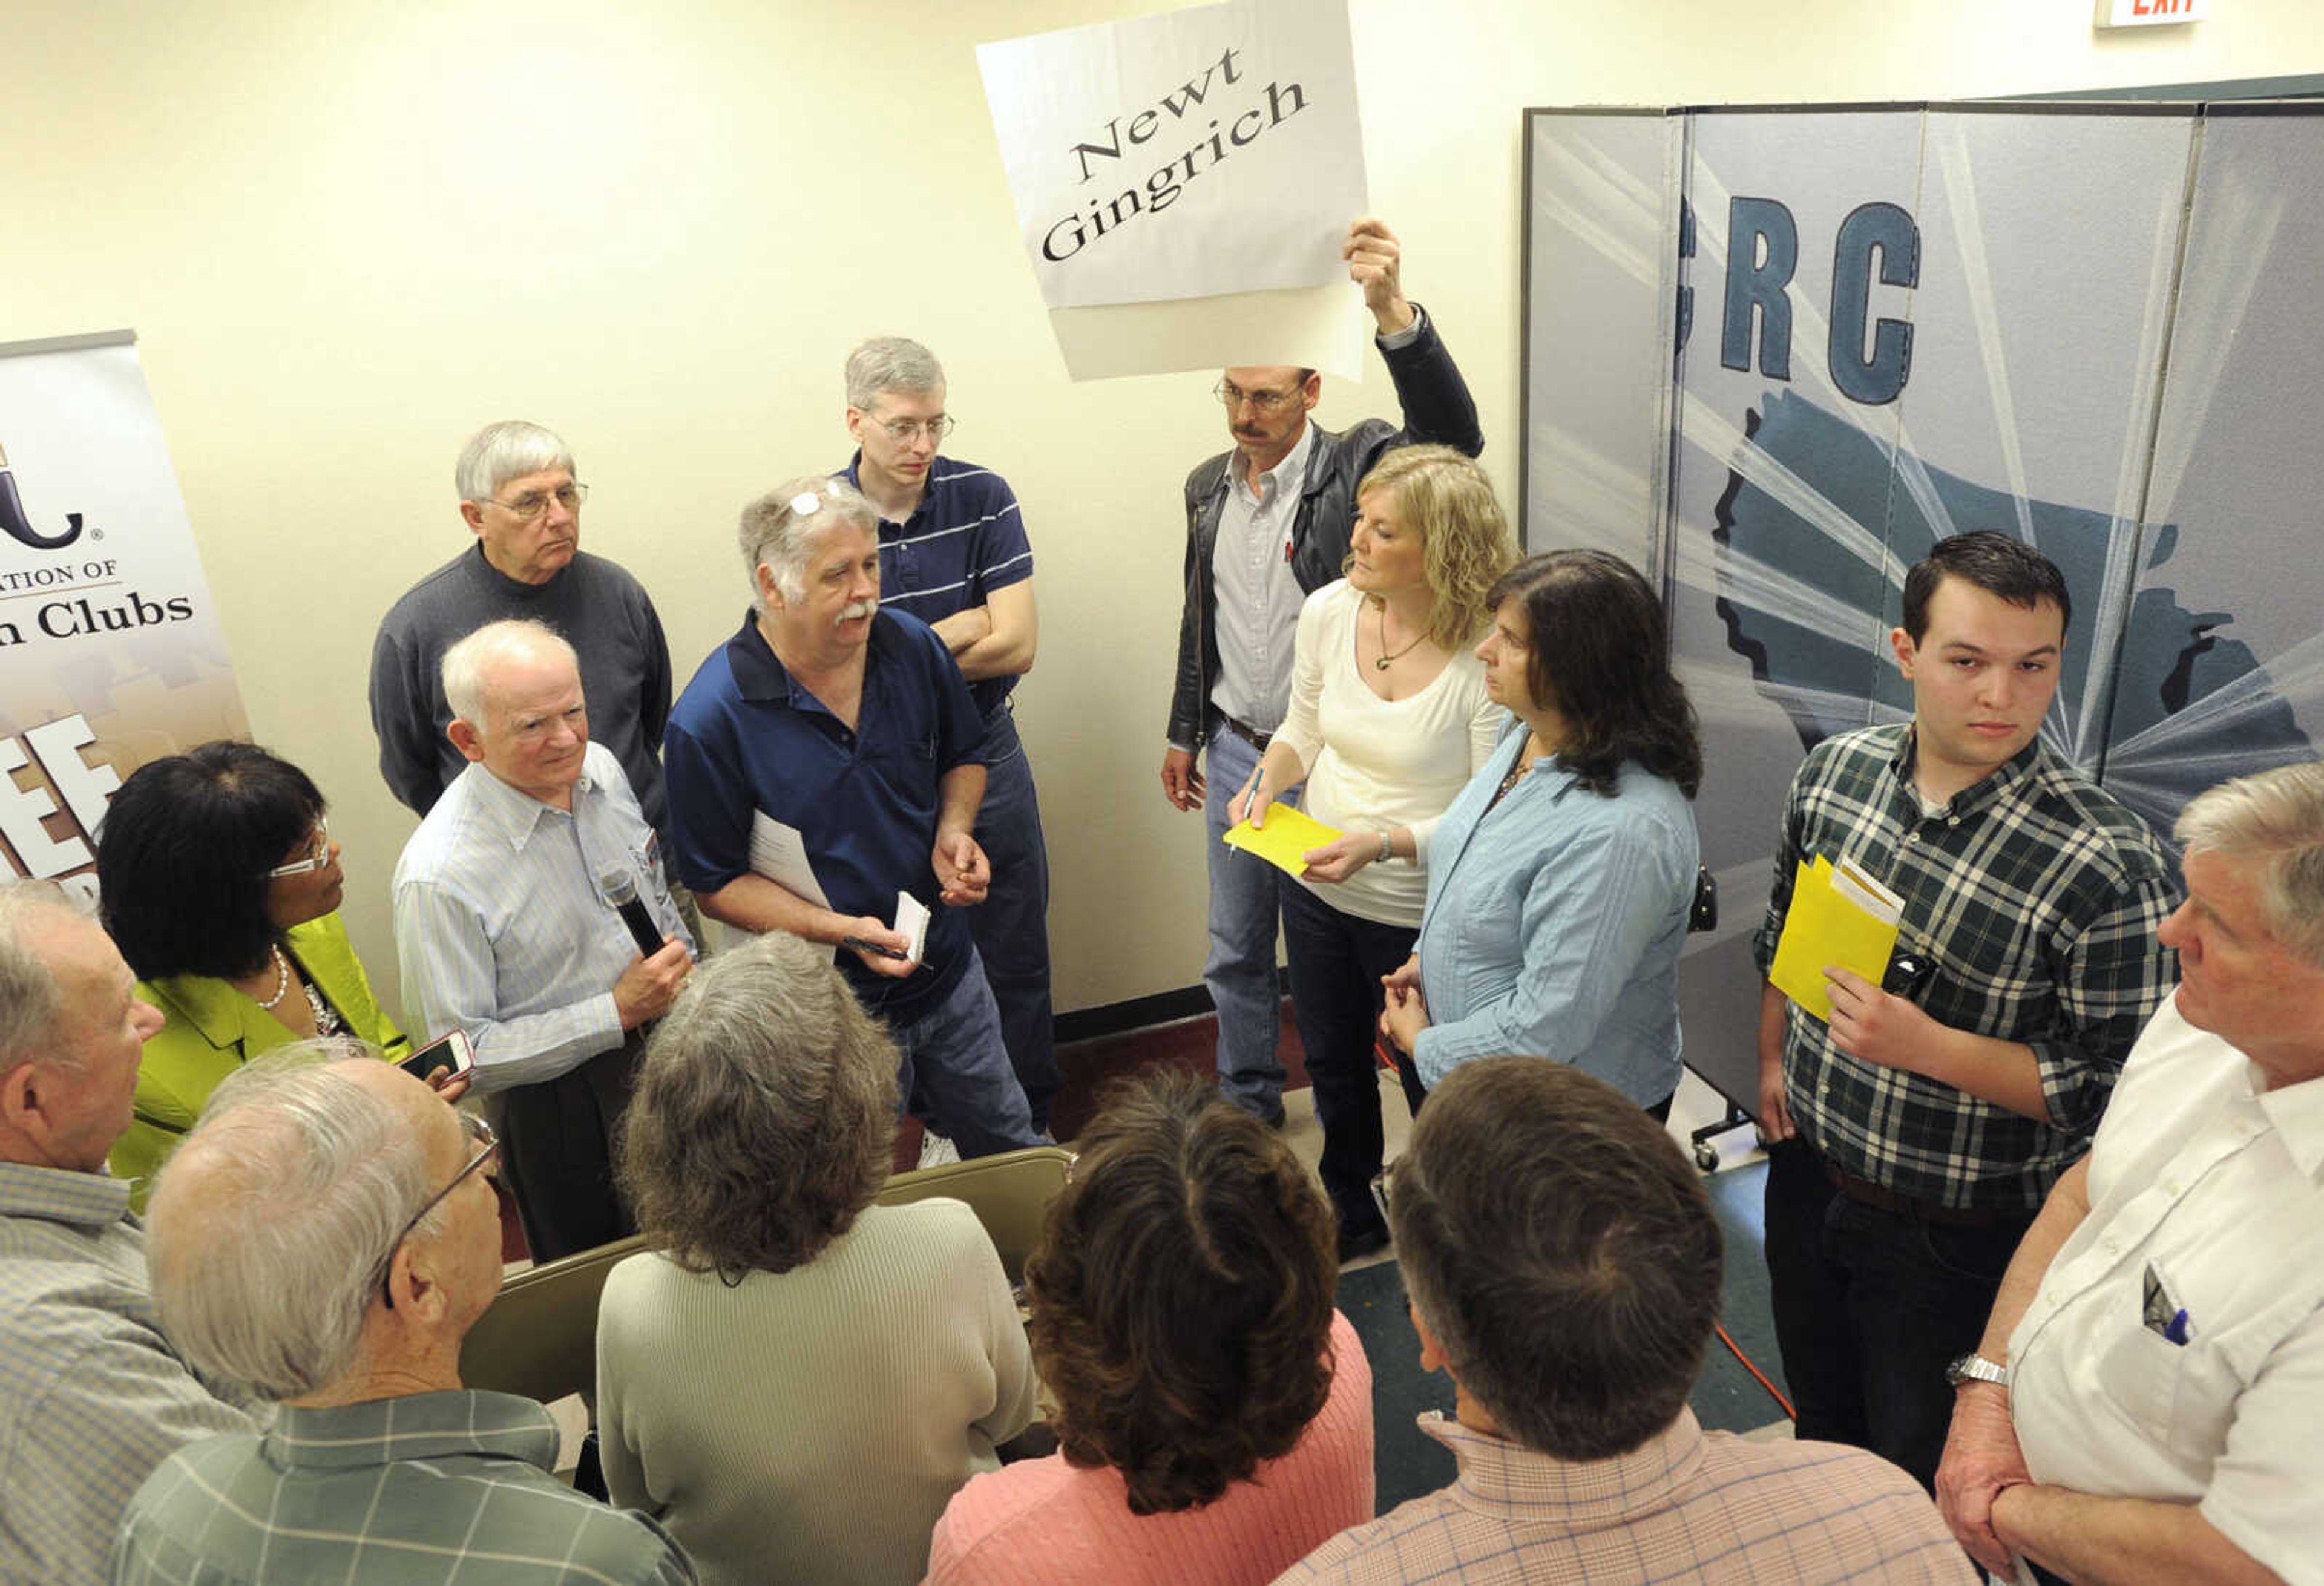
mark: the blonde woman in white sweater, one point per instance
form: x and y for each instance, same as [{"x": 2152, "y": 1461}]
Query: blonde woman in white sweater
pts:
[
  {"x": 794, "y": 1380},
  {"x": 1388, "y": 720}
]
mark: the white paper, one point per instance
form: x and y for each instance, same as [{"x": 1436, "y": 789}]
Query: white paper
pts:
[
  {"x": 1191, "y": 154},
  {"x": 912, "y": 921},
  {"x": 1853, "y": 883},
  {"x": 779, "y": 853},
  {"x": 1323, "y": 328}
]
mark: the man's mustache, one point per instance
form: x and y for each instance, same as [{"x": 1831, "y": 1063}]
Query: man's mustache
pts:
[{"x": 854, "y": 608}]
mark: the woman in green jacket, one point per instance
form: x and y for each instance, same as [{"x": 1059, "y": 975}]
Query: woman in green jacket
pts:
[{"x": 221, "y": 886}]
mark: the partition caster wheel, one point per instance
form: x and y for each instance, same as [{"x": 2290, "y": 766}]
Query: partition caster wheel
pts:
[{"x": 1706, "y": 1156}]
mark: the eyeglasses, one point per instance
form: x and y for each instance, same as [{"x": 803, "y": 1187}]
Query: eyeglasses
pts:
[
  {"x": 533, "y": 503},
  {"x": 904, "y": 431},
  {"x": 488, "y": 1151},
  {"x": 1261, "y": 402},
  {"x": 316, "y": 860}
]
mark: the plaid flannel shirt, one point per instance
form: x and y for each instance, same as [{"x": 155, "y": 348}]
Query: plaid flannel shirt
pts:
[
  {"x": 2038, "y": 898},
  {"x": 437, "y": 1488}
]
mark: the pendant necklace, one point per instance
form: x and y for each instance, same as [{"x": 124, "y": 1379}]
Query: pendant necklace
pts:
[{"x": 1386, "y": 660}]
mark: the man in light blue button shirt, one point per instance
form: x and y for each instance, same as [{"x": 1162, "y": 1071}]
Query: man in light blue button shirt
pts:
[{"x": 505, "y": 927}]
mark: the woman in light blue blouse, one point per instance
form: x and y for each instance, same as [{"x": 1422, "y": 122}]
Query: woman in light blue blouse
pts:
[{"x": 1560, "y": 879}]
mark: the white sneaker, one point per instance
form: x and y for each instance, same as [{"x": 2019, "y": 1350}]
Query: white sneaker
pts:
[{"x": 935, "y": 1150}]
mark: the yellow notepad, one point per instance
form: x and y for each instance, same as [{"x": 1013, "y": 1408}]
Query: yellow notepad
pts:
[
  {"x": 1842, "y": 917},
  {"x": 1287, "y": 834}
]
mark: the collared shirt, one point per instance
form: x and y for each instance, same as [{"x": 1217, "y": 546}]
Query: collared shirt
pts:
[
  {"x": 1258, "y": 595},
  {"x": 503, "y": 928},
  {"x": 965, "y": 540},
  {"x": 92, "y": 1398},
  {"x": 2038, "y": 898},
  {"x": 439, "y": 1487},
  {"x": 2207, "y": 1189},
  {"x": 1554, "y": 922},
  {"x": 747, "y": 739},
  {"x": 1684, "y": 1506}
]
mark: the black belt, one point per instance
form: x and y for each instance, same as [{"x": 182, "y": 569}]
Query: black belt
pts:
[
  {"x": 1248, "y": 734},
  {"x": 1865, "y": 1192}
]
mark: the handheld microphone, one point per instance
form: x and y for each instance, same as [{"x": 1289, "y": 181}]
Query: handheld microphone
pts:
[{"x": 620, "y": 890}]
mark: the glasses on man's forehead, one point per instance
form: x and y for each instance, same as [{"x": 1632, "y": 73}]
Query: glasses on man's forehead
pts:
[
  {"x": 904, "y": 431},
  {"x": 1263, "y": 401},
  {"x": 488, "y": 1150},
  {"x": 317, "y": 856},
  {"x": 533, "y": 503}
]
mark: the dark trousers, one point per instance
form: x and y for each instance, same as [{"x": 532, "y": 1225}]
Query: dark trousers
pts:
[
  {"x": 1011, "y": 925},
  {"x": 1870, "y": 1306},
  {"x": 557, "y": 1152},
  {"x": 1337, "y": 960}
]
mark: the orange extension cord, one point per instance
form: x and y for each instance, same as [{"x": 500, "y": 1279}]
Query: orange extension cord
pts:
[{"x": 1773, "y": 1391}]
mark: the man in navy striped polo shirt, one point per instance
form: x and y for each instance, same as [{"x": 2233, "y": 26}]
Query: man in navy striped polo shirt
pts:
[{"x": 953, "y": 553}]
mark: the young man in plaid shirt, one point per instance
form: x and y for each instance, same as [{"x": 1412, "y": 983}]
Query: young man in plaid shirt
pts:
[{"x": 1914, "y": 1136}]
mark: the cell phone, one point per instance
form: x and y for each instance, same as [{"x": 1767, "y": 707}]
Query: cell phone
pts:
[{"x": 452, "y": 1054}]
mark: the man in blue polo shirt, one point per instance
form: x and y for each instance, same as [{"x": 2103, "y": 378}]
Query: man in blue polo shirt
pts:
[
  {"x": 953, "y": 553},
  {"x": 846, "y": 734}
]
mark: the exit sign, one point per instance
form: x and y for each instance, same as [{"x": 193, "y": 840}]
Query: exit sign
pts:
[{"x": 2147, "y": 13}]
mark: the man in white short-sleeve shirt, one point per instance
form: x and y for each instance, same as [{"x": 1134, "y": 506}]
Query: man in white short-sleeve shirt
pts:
[{"x": 2145, "y": 1402}]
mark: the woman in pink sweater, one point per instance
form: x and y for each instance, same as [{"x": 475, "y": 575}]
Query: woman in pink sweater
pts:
[{"x": 1214, "y": 1415}]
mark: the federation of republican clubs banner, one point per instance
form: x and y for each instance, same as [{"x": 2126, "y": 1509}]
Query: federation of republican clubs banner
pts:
[{"x": 110, "y": 651}]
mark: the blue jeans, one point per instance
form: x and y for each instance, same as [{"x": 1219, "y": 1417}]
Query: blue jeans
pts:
[
  {"x": 955, "y": 1065},
  {"x": 1245, "y": 903},
  {"x": 1011, "y": 925}
]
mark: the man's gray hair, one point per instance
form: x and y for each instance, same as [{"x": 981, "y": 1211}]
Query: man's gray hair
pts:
[
  {"x": 2272, "y": 821},
  {"x": 29, "y": 999},
  {"x": 271, "y": 1224},
  {"x": 780, "y": 529},
  {"x": 890, "y": 363},
  {"x": 469, "y": 662},
  {"x": 507, "y": 450}
]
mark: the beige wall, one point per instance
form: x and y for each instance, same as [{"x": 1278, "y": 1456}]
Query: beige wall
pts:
[{"x": 348, "y": 234}]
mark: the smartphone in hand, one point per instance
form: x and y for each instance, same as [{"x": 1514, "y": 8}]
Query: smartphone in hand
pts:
[{"x": 452, "y": 1056}]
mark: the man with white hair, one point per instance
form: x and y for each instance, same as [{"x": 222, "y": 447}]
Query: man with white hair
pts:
[
  {"x": 845, "y": 734},
  {"x": 507, "y": 928},
  {"x": 92, "y": 1396},
  {"x": 379, "y": 1464},
  {"x": 953, "y": 553},
  {"x": 2145, "y": 1402},
  {"x": 519, "y": 497}
]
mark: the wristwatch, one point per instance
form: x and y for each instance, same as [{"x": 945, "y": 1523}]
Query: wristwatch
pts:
[{"x": 1975, "y": 1369}]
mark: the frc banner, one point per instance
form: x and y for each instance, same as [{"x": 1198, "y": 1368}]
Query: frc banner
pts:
[
  {"x": 1186, "y": 155},
  {"x": 110, "y": 651}
]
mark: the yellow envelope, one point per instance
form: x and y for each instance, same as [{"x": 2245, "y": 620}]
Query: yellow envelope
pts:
[
  {"x": 1287, "y": 834},
  {"x": 1824, "y": 927}
]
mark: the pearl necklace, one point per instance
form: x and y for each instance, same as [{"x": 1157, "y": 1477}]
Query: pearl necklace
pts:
[{"x": 282, "y": 978}]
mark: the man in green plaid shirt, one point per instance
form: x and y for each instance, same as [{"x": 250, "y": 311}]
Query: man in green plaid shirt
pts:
[
  {"x": 326, "y": 1235},
  {"x": 1916, "y": 1133}
]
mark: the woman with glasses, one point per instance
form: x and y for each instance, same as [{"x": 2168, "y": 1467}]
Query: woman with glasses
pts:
[
  {"x": 1214, "y": 1412},
  {"x": 1563, "y": 876},
  {"x": 1389, "y": 718},
  {"x": 221, "y": 886},
  {"x": 793, "y": 1379}
]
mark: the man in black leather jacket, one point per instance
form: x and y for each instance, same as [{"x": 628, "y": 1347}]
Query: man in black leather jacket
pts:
[{"x": 1267, "y": 524}]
